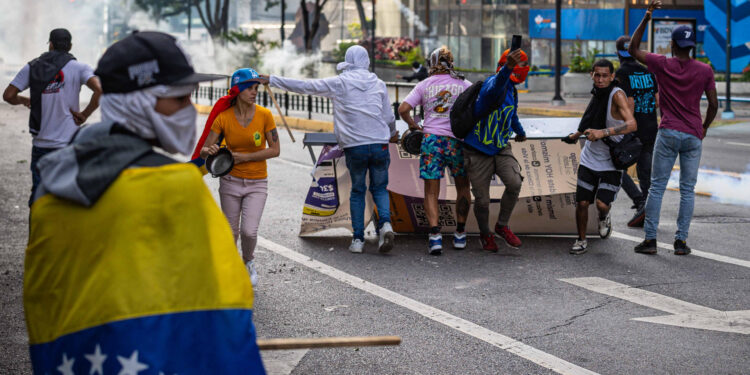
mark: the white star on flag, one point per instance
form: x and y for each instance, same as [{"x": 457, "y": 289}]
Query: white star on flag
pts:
[
  {"x": 97, "y": 360},
  {"x": 66, "y": 367},
  {"x": 131, "y": 366}
]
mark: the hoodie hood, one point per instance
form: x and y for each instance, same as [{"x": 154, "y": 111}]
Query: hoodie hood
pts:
[
  {"x": 82, "y": 171},
  {"x": 355, "y": 67}
]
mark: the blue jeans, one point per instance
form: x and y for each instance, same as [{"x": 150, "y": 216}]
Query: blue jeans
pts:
[
  {"x": 359, "y": 160},
  {"x": 669, "y": 144},
  {"x": 36, "y": 178}
]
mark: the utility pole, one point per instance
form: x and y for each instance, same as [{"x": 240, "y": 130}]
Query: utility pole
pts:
[
  {"x": 728, "y": 114},
  {"x": 558, "y": 100},
  {"x": 283, "y": 10}
]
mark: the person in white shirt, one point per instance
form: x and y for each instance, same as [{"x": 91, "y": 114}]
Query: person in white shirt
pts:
[
  {"x": 364, "y": 123},
  {"x": 54, "y": 80}
]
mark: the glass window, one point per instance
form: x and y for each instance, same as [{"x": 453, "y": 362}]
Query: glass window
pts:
[
  {"x": 500, "y": 22},
  {"x": 487, "y": 18}
]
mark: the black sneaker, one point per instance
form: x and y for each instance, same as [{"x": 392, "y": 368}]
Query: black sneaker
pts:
[
  {"x": 646, "y": 247},
  {"x": 638, "y": 219},
  {"x": 681, "y": 247}
]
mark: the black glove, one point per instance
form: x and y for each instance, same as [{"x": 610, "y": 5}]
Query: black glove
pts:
[{"x": 569, "y": 140}]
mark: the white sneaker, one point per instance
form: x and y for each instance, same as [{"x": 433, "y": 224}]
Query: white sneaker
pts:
[
  {"x": 251, "y": 270},
  {"x": 579, "y": 247},
  {"x": 605, "y": 227},
  {"x": 357, "y": 245},
  {"x": 385, "y": 240}
]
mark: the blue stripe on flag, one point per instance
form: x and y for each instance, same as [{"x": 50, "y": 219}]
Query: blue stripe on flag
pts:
[{"x": 199, "y": 342}]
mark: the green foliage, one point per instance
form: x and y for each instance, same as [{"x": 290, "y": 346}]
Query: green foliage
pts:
[
  {"x": 340, "y": 52},
  {"x": 580, "y": 62},
  {"x": 355, "y": 30},
  {"x": 406, "y": 59},
  {"x": 250, "y": 46},
  {"x": 160, "y": 9}
]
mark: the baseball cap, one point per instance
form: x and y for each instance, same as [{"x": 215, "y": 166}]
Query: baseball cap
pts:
[
  {"x": 622, "y": 43},
  {"x": 684, "y": 36},
  {"x": 243, "y": 75},
  {"x": 145, "y": 59},
  {"x": 60, "y": 38}
]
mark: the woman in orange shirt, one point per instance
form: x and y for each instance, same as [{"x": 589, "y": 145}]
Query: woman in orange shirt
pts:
[{"x": 247, "y": 129}]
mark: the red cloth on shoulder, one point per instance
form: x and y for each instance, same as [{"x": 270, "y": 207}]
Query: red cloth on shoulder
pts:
[{"x": 221, "y": 105}]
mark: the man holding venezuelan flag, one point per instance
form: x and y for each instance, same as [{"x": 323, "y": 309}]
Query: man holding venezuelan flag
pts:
[{"x": 116, "y": 279}]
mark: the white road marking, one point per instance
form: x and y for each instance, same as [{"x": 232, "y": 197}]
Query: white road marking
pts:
[
  {"x": 493, "y": 338},
  {"x": 683, "y": 314},
  {"x": 698, "y": 253},
  {"x": 282, "y": 362},
  {"x": 739, "y": 144}
]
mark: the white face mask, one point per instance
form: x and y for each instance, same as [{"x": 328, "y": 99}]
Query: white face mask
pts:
[{"x": 177, "y": 135}]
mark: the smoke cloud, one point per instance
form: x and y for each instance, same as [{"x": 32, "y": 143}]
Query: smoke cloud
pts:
[{"x": 728, "y": 188}]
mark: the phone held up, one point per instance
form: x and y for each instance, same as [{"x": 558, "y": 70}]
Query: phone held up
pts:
[{"x": 515, "y": 43}]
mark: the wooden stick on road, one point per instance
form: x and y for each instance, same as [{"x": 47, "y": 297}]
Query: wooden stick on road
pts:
[
  {"x": 326, "y": 342},
  {"x": 268, "y": 90}
]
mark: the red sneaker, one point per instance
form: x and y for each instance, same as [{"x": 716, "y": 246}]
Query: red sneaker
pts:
[
  {"x": 505, "y": 233},
  {"x": 488, "y": 242}
]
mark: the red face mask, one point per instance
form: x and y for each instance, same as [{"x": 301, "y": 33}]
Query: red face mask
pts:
[{"x": 519, "y": 72}]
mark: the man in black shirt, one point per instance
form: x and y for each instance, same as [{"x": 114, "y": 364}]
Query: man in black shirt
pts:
[
  {"x": 643, "y": 96},
  {"x": 420, "y": 73}
]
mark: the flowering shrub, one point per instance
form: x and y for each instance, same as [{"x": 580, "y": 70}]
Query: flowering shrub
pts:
[{"x": 391, "y": 48}]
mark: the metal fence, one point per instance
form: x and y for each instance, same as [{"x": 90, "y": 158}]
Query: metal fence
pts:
[{"x": 312, "y": 104}]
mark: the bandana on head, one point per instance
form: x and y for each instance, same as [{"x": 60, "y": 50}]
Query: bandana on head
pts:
[
  {"x": 519, "y": 72},
  {"x": 221, "y": 105},
  {"x": 441, "y": 62}
]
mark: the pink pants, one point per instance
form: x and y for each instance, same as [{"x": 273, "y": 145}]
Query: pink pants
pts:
[{"x": 245, "y": 199}]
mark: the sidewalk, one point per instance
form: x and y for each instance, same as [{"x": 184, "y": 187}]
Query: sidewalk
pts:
[{"x": 540, "y": 104}]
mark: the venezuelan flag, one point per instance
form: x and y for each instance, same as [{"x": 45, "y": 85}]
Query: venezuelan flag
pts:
[{"x": 146, "y": 281}]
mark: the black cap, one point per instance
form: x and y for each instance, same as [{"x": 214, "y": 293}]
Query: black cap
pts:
[
  {"x": 684, "y": 36},
  {"x": 622, "y": 43},
  {"x": 60, "y": 39},
  {"x": 146, "y": 59}
]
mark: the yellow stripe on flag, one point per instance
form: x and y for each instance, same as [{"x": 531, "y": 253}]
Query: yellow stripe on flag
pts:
[{"x": 154, "y": 243}]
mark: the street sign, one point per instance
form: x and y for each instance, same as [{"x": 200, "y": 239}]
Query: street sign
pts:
[
  {"x": 682, "y": 314},
  {"x": 661, "y": 33}
]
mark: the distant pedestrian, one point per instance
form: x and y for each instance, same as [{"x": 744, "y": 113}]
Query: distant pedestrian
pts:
[
  {"x": 682, "y": 81},
  {"x": 364, "y": 123},
  {"x": 440, "y": 147},
  {"x": 608, "y": 115},
  {"x": 643, "y": 97},
  {"x": 420, "y": 73},
  {"x": 54, "y": 79},
  {"x": 488, "y": 151}
]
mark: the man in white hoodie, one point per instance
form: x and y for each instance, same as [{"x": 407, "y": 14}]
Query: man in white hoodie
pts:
[{"x": 364, "y": 123}]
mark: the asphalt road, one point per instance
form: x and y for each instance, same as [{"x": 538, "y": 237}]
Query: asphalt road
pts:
[{"x": 468, "y": 311}]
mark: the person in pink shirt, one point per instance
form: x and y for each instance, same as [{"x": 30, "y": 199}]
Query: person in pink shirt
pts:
[
  {"x": 440, "y": 148},
  {"x": 682, "y": 81}
]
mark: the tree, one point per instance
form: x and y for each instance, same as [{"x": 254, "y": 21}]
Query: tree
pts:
[
  {"x": 308, "y": 33},
  {"x": 364, "y": 24},
  {"x": 160, "y": 9},
  {"x": 214, "y": 14},
  {"x": 216, "y": 18}
]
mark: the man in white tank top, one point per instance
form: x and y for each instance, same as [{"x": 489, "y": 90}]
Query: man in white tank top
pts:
[{"x": 608, "y": 115}]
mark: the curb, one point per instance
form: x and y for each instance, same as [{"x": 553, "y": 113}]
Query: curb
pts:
[{"x": 536, "y": 111}]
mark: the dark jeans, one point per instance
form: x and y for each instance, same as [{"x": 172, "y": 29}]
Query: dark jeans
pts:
[
  {"x": 643, "y": 169},
  {"x": 36, "y": 154},
  {"x": 375, "y": 159}
]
